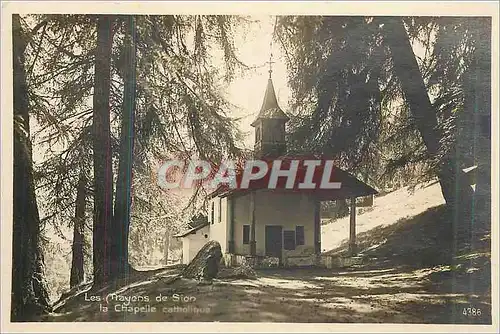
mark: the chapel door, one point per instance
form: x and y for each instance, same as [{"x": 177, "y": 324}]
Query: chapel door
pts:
[{"x": 274, "y": 241}]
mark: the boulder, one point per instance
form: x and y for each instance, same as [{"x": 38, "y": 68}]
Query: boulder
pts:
[{"x": 205, "y": 264}]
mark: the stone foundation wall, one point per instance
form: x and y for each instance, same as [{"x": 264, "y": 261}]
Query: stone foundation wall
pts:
[
  {"x": 328, "y": 261},
  {"x": 233, "y": 260},
  {"x": 323, "y": 261},
  {"x": 301, "y": 261}
]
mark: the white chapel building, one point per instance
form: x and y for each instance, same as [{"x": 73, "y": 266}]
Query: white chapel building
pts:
[{"x": 269, "y": 226}]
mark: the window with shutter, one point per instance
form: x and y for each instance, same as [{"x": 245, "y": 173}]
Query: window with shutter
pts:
[
  {"x": 299, "y": 235},
  {"x": 289, "y": 240},
  {"x": 246, "y": 234}
]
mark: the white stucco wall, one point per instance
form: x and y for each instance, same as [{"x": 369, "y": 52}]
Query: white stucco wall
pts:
[
  {"x": 241, "y": 217},
  {"x": 219, "y": 228},
  {"x": 275, "y": 208},
  {"x": 192, "y": 243},
  {"x": 289, "y": 211}
]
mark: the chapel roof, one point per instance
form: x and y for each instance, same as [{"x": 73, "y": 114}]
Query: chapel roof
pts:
[
  {"x": 350, "y": 185},
  {"x": 270, "y": 108}
]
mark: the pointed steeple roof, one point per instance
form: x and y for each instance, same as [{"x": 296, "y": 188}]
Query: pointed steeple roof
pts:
[{"x": 270, "y": 107}]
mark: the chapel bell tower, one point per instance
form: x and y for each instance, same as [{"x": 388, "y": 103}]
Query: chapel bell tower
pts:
[{"x": 270, "y": 126}]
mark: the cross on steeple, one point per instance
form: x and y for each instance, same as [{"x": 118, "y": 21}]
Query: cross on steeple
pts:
[
  {"x": 270, "y": 62},
  {"x": 270, "y": 123}
]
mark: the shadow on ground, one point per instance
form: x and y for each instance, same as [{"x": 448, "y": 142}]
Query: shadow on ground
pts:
[{"x": 413, "y": 272}]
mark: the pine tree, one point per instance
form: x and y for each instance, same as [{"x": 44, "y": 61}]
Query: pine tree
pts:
[
  {"x": 103, "y": 233},
  {"x": 122, "y": 207},
  {"x": 77, "y": 263},
  {"x": 29, "y": 290},
  {"x": 456, "y": 191},
  {"x": 62, "y": 78},
  {"x": 361, "y": 94}
]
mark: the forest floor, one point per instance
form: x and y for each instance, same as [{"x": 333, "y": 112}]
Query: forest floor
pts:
[{"x": 412, "y": 272}]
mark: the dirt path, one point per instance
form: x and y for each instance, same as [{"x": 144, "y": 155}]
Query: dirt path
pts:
[{"x": 285, "y": 295}]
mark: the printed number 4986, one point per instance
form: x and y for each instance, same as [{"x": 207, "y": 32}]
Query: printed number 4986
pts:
[{"x": 471, "y": 311}]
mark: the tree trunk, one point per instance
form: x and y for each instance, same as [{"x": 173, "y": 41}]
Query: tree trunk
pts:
[
  {"x": 103, "y": 174},
  {"x": 77, "y": 270},
  {"x": 479, "y": 106},
  {"x": 29, "y": 290},
  {"x": 456, "y": 191},
  {"x": 124, "y": 181},
  {"x": 166, "y": 245}
]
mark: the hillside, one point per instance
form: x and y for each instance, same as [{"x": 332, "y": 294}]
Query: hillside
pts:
[
  {"x": 412, "y": 272},
  {"x": 386, "y": 210}
]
